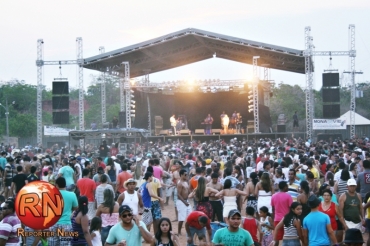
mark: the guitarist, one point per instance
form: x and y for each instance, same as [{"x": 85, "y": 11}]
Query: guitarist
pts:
[
  {"x": 208, "y": 121},
  {"x": 238, "y": 122}
]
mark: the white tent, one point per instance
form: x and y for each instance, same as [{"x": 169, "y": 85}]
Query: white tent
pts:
[{"x": 359, "y": 120}]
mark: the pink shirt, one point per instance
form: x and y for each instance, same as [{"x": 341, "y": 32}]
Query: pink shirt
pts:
[
  {"x": 281, "y": 202},
  {"x": 157, "y": 172}
]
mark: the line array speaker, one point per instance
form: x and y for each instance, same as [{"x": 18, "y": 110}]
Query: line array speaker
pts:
[
  {"x": 60, "y": 118},
  {"x": 330, "y": 79},
  {"x": 60, "y": 88},
  {"x": 331, "y": 111}
]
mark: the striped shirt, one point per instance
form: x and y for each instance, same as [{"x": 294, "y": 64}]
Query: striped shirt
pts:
[
  {"x": 291, "y": 230},
  {"x": 342, "y": 187},
  {"x": 293, "y": 189},
  {"x": 8, "y": 230}
]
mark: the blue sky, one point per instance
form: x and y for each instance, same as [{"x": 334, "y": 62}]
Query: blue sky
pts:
[{"x": 116, "y": 24}]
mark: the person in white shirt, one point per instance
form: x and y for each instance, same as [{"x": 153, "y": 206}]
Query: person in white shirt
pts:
[{"x": 342, "y": 166}]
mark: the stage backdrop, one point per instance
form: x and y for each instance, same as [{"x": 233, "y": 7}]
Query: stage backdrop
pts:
[{"x": 196, "y": 106}]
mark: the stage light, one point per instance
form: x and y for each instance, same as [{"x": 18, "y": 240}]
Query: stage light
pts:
[
  {"x": 250, "y": 101},
  {"x": 250, "y": 110},
  {"x": 132, "y": 82},
  {"x": 133, "y": 102}
]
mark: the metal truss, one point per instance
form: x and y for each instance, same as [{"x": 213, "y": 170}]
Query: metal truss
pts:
[
  {"x": 255, "y": 95},
  {"x": 80, "y": 63},
  {"x": 103, "y": 93},
  {"x": 309, "y": 53},
  {"x": 149, "y": 116},
  {"x": 196, "y": 83},
  {"x": 127, "y": 92},
  {"x": 39, "y": 64},
  {"x": 309, "y": 81},
  {"x": 353, "y": 82}
]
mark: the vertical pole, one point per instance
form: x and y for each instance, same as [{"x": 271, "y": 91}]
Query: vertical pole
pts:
[
  {"x": 309, "y": 79},
  {"x": 255, "y": 95},
  {"x": 7, "y": 121},
  {"x": 39, "y": 64},
  {"x": 127, "y": 89},
  {"x": 353, "y": 82},
  {"x": 149, "y": 116},
  {"x": 103, "y": 93},
  {"x": 80, "y": 88}
]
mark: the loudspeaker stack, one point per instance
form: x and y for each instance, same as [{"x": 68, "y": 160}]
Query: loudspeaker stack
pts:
[
  {"x": 330, "y": 95},
  {"x": 60, "y": 102}
]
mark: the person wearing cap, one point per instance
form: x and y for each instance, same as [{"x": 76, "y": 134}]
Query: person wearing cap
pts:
[
  {"x": 196, "y": 223},
  {"x": 317, "y": 228},
  {"x": 233, "y": 235},
  {"x": 353, "y": 237},
  {"x": 130, "y": 229},
  {"x": 350, "y": 203},
  {"x": 131, "y": 197},
  {"x": 99, "y": 174}
]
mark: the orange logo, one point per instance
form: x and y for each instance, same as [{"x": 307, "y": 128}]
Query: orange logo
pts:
[{"x": 39, "y": 205}]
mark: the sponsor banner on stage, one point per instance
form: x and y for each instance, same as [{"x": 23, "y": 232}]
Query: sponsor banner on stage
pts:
[
  {"x": 56, "y": 131},
  {"x": 326, "y": 124}
]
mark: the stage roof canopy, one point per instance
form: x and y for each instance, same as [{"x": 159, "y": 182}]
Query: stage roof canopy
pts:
[{"x": 194, "y": 45}]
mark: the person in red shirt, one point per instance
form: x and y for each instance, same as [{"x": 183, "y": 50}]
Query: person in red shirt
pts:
[
  {"x": 121, "y": 178},
  {"x": 252, "y": 225},
  {"x": 197, "y": 223},
  {"x": 114, "y": 150},
  {"x": 101, "y": 162},
  {"x": 87, "y": 188}
]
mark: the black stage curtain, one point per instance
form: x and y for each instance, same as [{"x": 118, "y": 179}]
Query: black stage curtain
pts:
[{"x": 195, "y": 106}]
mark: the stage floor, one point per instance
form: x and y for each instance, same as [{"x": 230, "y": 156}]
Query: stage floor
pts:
[{"x": 228, "y": 137}]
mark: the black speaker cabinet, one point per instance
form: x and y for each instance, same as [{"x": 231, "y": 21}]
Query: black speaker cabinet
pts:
[
  {"x": 60, "y": 88},
  {"x": 330, "y": 95},
  {"x": 61, "y": 118},
  {"x": 60, "y": 102},
  {"x": 330, "y": 79},
  {"x": 331, "y": 111}
]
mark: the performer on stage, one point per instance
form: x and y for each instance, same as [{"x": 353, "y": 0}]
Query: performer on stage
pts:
[
  {"x": 114, "y": 122},
  {"x": 239, "y": 121},
  {"x": 225, "y": 123},
  {"x": 173, "y": 122},
  {"x": 222, "y": 117},
  {"x": 233, "y": 120},
  {"x": 208, "y": 121}
]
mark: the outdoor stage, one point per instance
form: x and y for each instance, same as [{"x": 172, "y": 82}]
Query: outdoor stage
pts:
[{"x": 227, "y": 137}]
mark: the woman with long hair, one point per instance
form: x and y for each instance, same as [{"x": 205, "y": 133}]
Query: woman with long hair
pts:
[
  {"x": 229, "y": 194},
  {"x": 330, "y": 180},
  {"x": 249, "y": 189},
  {"x": 264, "y": 191},
  {"x": 201, "y": 194},
  {"x": 353, "y": 169},
  {"x": 108, "y": 212},
  {"x": 341, "y": 186},
  {"x": 110, "y": 170},
  {"x": 164, "y": 235},
  {"x": 303, "y": 199},
  {"x": 80, "y": 223},
  {"x": 238, "y": 174},
  {"x": 292, "y": 226}
]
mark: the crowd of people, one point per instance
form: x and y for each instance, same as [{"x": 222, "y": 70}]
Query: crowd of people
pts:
[{"x": 259, "y": 192}]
